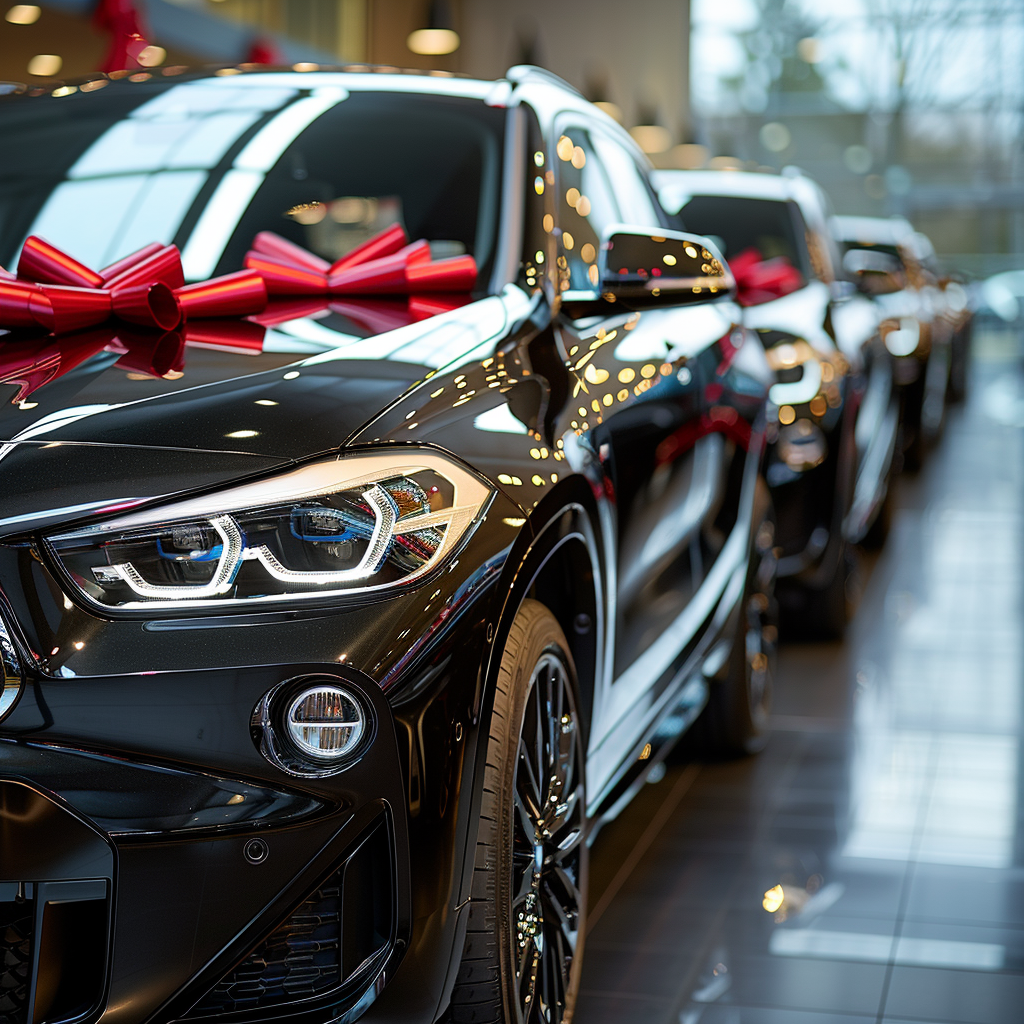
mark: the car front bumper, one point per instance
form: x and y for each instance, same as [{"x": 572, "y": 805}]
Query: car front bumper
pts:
[{"x": 193, "y": 894}]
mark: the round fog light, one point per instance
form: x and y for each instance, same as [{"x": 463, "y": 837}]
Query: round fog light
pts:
[{"x": 325, "y": 722}]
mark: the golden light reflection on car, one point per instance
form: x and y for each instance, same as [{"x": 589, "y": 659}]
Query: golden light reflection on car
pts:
[{"x": 773, "y": 899}]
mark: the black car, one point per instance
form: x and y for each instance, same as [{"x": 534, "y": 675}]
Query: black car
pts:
[
  {"x": 834, "y": 411},
  {"x": 924, "y": 319},
  {"x": 335, "y": 622}
]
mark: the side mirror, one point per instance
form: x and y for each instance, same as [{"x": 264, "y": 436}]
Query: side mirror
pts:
[
  {"x": 644, "y": 267},
  {"x": 874, "y": 273}
]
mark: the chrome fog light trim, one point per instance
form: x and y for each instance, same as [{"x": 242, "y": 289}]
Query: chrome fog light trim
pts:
[{"x": 312, "y": 726}]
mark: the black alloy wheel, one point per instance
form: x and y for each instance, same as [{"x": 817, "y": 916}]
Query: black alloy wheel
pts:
[
  {"x": 547, "y": 845},
  {"x": 524, "y": 938}
]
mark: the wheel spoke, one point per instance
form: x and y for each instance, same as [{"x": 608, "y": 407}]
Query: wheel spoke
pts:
[
  {"x": 534, "y": 795},
  {"x": 563, "y": 908},
  {"x": 547, "y": 829}
]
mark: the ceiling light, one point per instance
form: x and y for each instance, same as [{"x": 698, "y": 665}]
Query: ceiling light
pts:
[
  {"x": 688, "y": 155},
  {"x": 433, "y": 41},
  {"x": 23, "y": 14},
  {"x": 651, "y": 138},
  {"x": 611, "y": 109},
  {"x": 45, "y": 65}
]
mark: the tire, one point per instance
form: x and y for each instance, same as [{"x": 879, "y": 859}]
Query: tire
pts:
[
  {"x": 828, "y": 609},
  {"x": 878, "y": 531},
  {"x": 957, "y": 389},
  {"x": 506, "y": 977},
  {"x": 737, "y": 719}
]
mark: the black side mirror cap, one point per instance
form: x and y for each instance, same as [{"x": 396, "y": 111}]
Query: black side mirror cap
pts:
[{"x": 644, "y": 267}]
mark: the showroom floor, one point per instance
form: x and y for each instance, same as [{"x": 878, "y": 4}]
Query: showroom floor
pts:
[{"x": 888, "y": 808}]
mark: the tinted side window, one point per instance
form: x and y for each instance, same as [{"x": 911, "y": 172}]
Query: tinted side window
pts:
[
  {"x": 770, "y": 227},
  {"x": 636, "y": 202},
  {"x": 538, "y": 220},
  {"x": 584, "y": 207}
]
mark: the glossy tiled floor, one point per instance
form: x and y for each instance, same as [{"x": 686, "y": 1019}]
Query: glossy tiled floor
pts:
[{"x": 889, "y": 806}]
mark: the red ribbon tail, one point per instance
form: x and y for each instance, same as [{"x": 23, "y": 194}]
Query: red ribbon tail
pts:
[
  {"x": 129, "y": 261},
  {"x": 384, "y": 276}
]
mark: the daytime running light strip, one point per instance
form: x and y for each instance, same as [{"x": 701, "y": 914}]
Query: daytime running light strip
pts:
[{"x": 223, "y": 576}]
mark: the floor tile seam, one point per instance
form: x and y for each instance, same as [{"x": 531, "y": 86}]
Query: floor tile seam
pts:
[
  {"x": 682, "y": 786},
  {"x": 843, "y": 1015},
  {"x": 712, "y": 933},
  {"x": 908, "y": 878}
]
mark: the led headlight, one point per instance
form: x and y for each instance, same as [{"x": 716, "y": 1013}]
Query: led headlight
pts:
[{"x": 348, "y": 525}]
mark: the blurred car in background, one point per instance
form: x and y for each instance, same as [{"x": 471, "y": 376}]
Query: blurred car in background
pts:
[
  {"x": 833, "y": 410},
  {"x": 925, "y": 320}
]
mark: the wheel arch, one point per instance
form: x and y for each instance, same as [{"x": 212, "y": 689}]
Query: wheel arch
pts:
[{"x": 563, "y": 565}]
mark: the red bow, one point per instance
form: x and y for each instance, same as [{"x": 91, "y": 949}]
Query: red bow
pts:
[
  {"x": 385, "y": 265},
  {"x": 30, "y": 363},
  {"x": 55, "y": 293},
  {"x": 127, "y": 33},
  {"x": 759, "y": 280}
]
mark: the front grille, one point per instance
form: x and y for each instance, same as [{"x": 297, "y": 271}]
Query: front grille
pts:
[
  {"x": 337, "y": 929},
  {"x": 15, "y": 960}
]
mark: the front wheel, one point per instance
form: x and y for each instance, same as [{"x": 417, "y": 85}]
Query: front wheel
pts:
[{"x": 524, "y": 939}]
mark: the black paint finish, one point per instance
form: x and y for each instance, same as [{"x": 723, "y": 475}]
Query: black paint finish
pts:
[{"x": 623, "y": 446}]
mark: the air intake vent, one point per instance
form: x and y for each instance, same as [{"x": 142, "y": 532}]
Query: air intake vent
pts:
[
  {"x": 337, "y": 930},
  {"x": 15, "y": 961}
]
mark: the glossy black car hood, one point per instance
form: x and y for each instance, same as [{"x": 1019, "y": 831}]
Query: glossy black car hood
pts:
[
  {"x": 100, "y": 435},
  {"x": 275, "y": 403}
]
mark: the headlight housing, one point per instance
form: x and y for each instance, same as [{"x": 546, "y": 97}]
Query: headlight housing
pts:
[{"x": 349, "y": 525}]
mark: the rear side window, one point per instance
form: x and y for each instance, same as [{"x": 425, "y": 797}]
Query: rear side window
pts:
[{"x": 771, "y": 227}]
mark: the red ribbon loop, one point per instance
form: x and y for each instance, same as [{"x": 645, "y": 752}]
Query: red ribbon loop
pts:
[
  {"x": 56, "y": 293},
  {"x": 759, "y": 280},
  {"x": 46, "y": 264},
  {"x": 237, "y": 294},
  {"x": 269, "y": 244},
  {"x": 385, "y": 265},
  {"x": 389, "y": 241},
  {"x": 284, "y": 278}
]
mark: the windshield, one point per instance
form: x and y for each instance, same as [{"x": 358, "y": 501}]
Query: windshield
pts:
[
  {"x": 210, "y": 162},
  {"x": 739, "y": 224},
  {"x": 889, "y": 250}
]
